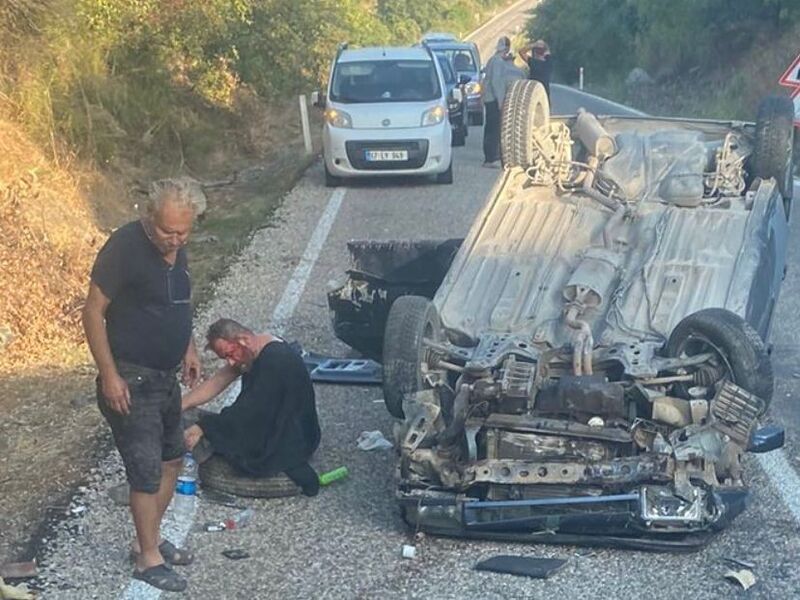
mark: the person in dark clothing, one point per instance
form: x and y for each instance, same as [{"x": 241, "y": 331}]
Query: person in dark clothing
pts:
[
  {"x": 138, "y": 323},
  {"x": 272, "y": 426},
  {"x": 540, "y": 64},
  {"x": 499, "y": 73}
]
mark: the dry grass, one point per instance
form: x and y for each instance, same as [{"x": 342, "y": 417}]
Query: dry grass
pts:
[{"x": 48, "y": 240}]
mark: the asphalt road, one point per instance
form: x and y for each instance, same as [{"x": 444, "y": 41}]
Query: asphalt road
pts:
[{"x": 346, "y": 543}]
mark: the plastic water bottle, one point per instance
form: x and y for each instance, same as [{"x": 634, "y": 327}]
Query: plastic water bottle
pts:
[{"x": 187, "y": 480}]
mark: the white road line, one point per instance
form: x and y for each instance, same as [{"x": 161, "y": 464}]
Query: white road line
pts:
[{"x": 176, "y": 524}]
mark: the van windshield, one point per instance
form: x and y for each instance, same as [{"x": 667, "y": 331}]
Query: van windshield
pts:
[{"x": 385, "y": 81}]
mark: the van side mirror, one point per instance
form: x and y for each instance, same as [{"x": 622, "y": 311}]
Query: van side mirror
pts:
[{"x": 317, "y": 99}]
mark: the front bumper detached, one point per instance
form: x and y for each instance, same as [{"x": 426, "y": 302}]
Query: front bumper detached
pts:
[{"x": 646, "y": 518}]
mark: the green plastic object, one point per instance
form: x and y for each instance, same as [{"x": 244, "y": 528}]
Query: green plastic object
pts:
[{"x": 331, "y": 476}]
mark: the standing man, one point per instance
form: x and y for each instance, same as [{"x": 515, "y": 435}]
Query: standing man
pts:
[
  {"x": 540, "y": 64},
  {"x": 500, "y": 72},
  {"x": 138, "y": 322},
  {"x": 272, "y": 426}
]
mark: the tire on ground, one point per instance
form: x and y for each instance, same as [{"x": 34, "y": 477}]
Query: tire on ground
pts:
[
  {"x": 410, "y": 319},
  {"x": 730, "y": 335},
  {"x": 526, "y": 110},
  {"x": 774, "y": 141},
  {"x": 218, "y": 474}
]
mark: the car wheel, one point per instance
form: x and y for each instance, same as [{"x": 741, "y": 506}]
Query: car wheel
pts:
[
  {"x": 459, "y": 137},
  {"x": 218, "y": 474},
  {"x": 525, "y": 116},
  {"x": 447, "y": 176},
  {"x": 411, "y": 318},
  {"x": 331, "y": 180},
  {"x": 772, "y": 156},
  {"x": 738, "y": 352}
]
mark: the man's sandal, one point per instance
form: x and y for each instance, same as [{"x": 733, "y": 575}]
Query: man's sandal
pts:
[
  {"x": 174, "y": 555},
  {"x": 170, "y": 553},
  {"x": 161, "y": 577}
]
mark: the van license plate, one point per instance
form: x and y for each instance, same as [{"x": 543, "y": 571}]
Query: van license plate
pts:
[{"x": 390, "y": 155}]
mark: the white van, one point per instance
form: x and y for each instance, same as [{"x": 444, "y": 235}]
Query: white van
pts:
[{"x": 386, "y": 114}]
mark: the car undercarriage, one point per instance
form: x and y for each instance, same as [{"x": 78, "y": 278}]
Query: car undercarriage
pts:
[{"x": 588, "y": 364}]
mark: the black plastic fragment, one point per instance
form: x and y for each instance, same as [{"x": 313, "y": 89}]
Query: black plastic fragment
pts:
[{"x": 528, "y": 566}]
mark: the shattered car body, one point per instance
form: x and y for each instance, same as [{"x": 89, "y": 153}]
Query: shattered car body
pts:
[{"x": 588, "y": 365}]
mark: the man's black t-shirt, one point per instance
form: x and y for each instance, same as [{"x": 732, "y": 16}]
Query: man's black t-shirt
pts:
[
  {"x": 272, "y": 426},
  {"x": 149, "y": 320}
]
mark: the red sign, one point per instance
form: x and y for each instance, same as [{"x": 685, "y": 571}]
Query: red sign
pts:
[{"x": 791, "y": 78}]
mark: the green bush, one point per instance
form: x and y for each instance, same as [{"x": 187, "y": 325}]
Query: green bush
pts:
[{"x": 130, "y": 77}]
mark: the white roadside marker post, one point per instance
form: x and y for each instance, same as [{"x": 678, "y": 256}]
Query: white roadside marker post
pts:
[
  {"x": 304, "y": 123},
  {"x": 580, "y": 78}
]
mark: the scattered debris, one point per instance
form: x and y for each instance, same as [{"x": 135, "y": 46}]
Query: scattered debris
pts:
[
  {"x": 237, "y": 522},
  {"x": 739, "y": 563},
  {"x": 744, "y": 577},
  {"x": 235, "y": 554},
  {"x": 409, "y": 551},
  {"x": 19, "y": 570},
  {"x": 78, "y": 509},
  {"x": 351, "y": 371},
  {"x": 14, "y": 592},
  {"x": 334, "y": 475},
  {"x": 539, "y": 568},
  {"x": 373, "y": 440}
]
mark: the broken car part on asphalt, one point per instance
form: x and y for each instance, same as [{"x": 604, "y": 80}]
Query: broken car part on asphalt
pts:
[
  {"x": 528, "y": 566},
  {"x": 588, "y": 364},
  {"x": 346, "y": 371},
  {"x": 19, "y": 570}
]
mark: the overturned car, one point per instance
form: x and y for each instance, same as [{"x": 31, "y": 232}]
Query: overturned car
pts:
[{"x": 588, "y": 365}]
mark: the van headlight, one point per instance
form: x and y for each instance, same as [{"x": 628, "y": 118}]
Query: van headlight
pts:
[
  {"x": 433, "y": 116},
  {"x": 338, "y": 118},
  {"x": 473, "y": 88}
]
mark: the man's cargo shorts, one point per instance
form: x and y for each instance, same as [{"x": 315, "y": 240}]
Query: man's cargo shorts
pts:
[{"x": 152, "y": 432}]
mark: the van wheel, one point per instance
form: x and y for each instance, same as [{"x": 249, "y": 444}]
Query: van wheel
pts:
[
  {"x": 331, "y": 180},
  {"x": 410, "y": 320},
  {"x": 526, "y": 115},
  {"x": 772, "y": 156},
  {"x": 447, "y": 176}
]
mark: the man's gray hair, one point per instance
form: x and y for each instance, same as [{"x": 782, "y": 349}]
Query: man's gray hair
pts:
[
  {"x": 183, "y": 191},
  {"x": 226, "y": 329}
]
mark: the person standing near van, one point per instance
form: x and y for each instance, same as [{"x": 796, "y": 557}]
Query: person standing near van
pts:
[
  {"x": 500, "y": 72},
  {"x": 540, "y": 64}
]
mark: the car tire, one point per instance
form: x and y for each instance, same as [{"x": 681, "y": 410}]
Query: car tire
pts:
[
  {"x": 526, "y": 111},
  {"x": 459, "y": 137},
  {"x": 331, "y": 180},
  {"x": 744, "y": 353},
  {"x": 218, "y": 474},
  {"x": 447, "y": 176},
  {"x": 411, "y": 318},
  {"x": 772, "y": 155}
]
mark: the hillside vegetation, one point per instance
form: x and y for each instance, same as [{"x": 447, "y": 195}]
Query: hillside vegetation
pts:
[
  {"x": 707, "y": 58},
  {"x": 97, "y": 97}
]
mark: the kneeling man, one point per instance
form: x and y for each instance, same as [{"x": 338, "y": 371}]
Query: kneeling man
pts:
[{"x": 272, "y": 427}]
